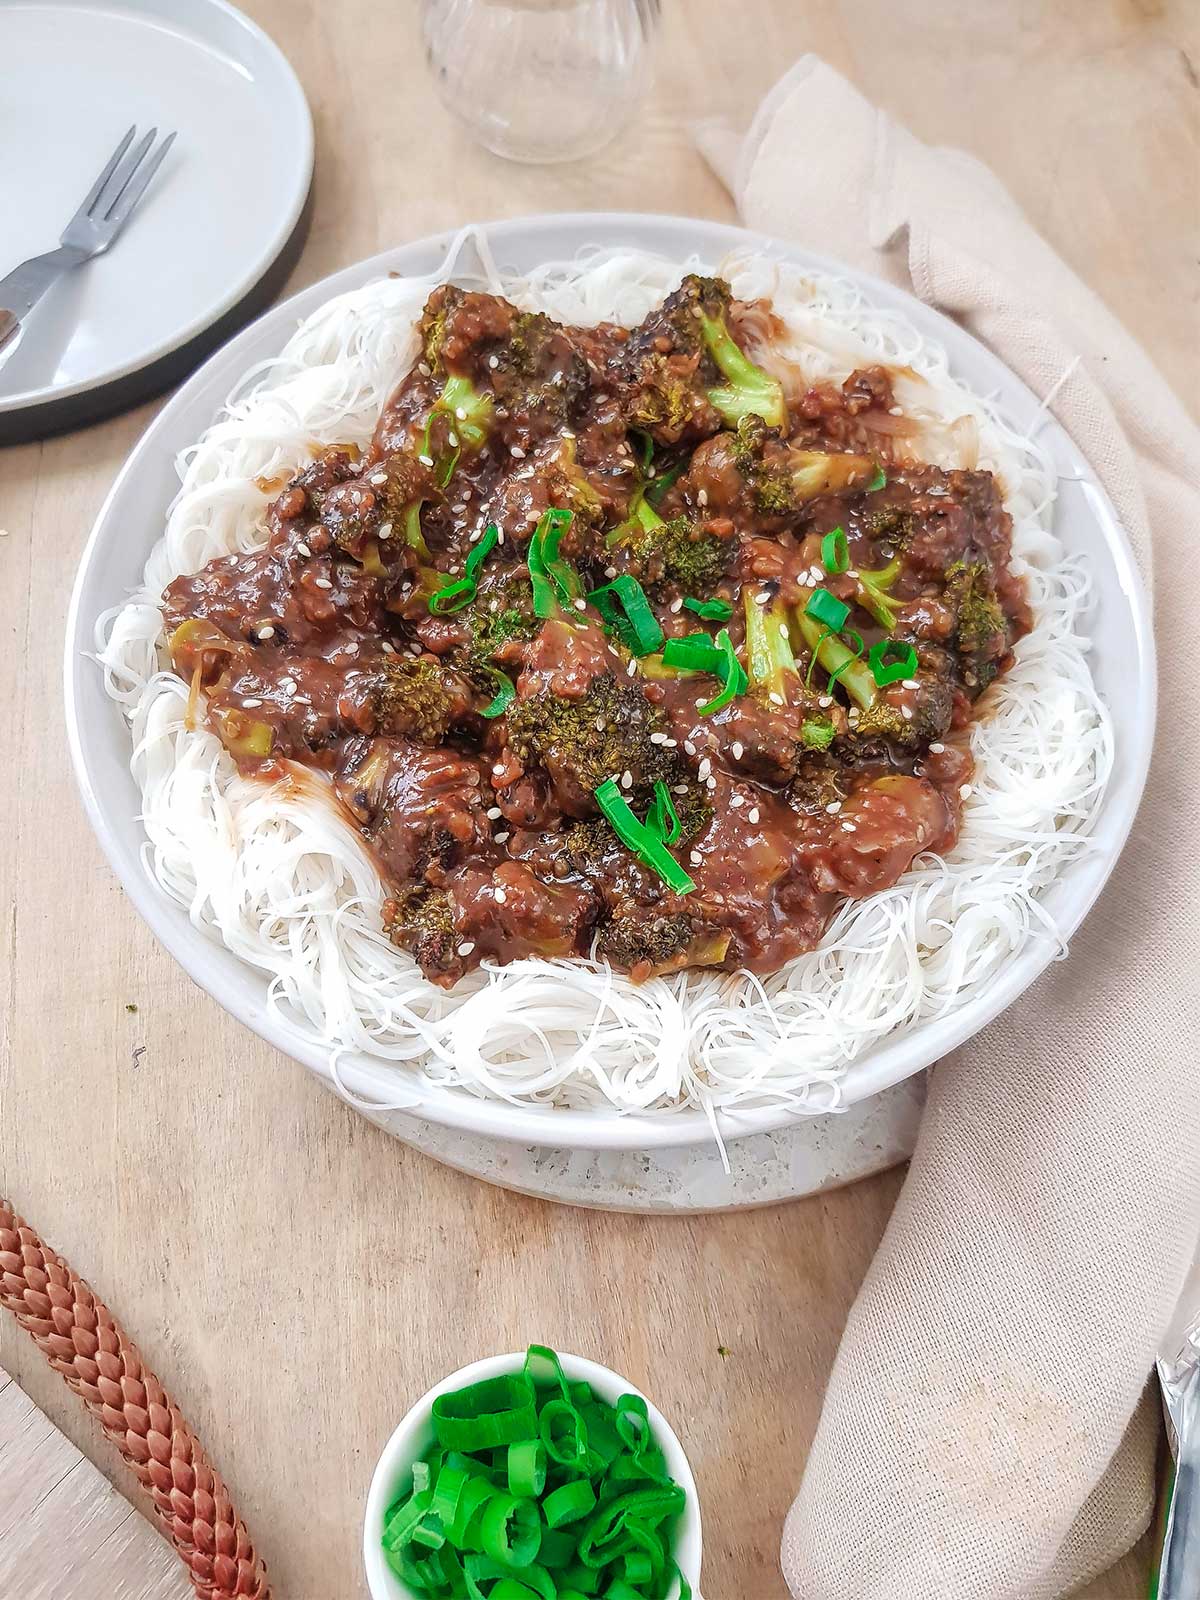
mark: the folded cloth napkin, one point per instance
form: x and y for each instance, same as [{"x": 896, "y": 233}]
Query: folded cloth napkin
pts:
[{"x": 982, "y": 1435}]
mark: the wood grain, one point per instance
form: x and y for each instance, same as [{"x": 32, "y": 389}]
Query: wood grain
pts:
[{"x": 296, "y": 1276}]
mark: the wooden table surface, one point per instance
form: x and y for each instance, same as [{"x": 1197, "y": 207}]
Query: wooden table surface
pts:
[{"x": 296, "y": 1276}]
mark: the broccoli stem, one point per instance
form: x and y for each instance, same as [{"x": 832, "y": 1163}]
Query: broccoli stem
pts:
[
  {"x": 872, "y": 593},
  {"x": 833, "y": 654},
  {"x": 770, "y": 664},
  {"x": 750, "y": 391},
  {"x": 470, "y": 412},
  {"x": 642, "y": 515},
  {"x": 412, "y": 530}
]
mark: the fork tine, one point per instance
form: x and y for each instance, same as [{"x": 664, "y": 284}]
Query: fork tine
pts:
[
  {"x": 135, "y": 188},
  {"x": 116, "y": 185},
  {"x": 94, "y": 192}
]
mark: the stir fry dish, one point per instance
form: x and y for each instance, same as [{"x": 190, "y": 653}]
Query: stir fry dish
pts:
[{"x": 607, "y": 648}]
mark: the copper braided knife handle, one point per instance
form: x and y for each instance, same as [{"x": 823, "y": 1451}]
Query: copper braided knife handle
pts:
[{"x": 83, "y": 1342}]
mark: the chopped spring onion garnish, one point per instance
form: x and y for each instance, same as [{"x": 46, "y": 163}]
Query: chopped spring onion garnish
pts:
[
  {"x": 835, "y": 551},
  {"x": 878, "y": 481},
  {"x": 715, "y": 610},
  {"x": 695, "y": 652},
  {"x": 493, "y": 1511},
  {"x": 642, "y": 840},
  {"x": 663, "y": 817},
  {"x": 849, "y": 648},
  {"x": 732, "y": 674},
  {"x": 828, "y": 609},
  {"x": 555, "y": 583},
  {"x": 504, "y": 696},
  {"x": 454, "y": 596},
  {"x": 890, "y": 660},
  {"x": 623, "y": 605}
]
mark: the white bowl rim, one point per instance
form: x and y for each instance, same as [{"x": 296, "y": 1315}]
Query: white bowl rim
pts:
[
  {"x": 602, "y": 1128},
  {"x": 401, "y": 1450}
]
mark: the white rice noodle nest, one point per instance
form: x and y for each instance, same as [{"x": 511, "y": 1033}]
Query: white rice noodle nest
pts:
[{"x": 276, "y": 874}]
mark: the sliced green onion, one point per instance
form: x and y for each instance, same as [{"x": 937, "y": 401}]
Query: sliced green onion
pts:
[
  {"x": 623, "y": 604},
  {"x": 890, "y": 660},
  {"x": 526, "y": 1468},
  {"x": 567, "y": 1504},
  {"x": 695, "y": 652},
  {"x": 544, "y": 1371},
  {"x": 732, "y": 674},
  {"x": 564, "y": 1432},
  {"x": 454, "y": 596},
  {"x": 506, "y": 691},
  {"x": 715, "y": 610},
  {"x": 642, "y": 841},
  {"x": 835, "y": 552},
  {"x": 826, "y": 608},
  {"x": 487, "y": 1414},
  {"x": 664, "y": 818},
  {"x": 555, "y": 583},
  {"x": 878, "y": 481},
  {"x": 511, "y": 1530}
]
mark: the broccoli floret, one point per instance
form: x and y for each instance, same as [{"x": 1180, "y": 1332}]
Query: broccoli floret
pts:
[
  {"x": 503, "y": 612},
  {"x": 676, "y": 552},
  {"x": 747, "y": 390},
  {"x": 645, "y": 944},
  {"x": 891, "y": 524},
  {"x": 781, "y": 479},
  {"x": 569, "y": 487},
  {"x": 417, "y": 699},
  {"x": 421, "y": 921},
  {"x": 536, "y": 371},
  {"x": 931, "y": 705},
  {"x": 602, "y": 735},
  {"x": 981, "y": 628},
  {"x": 666, "y": 403}
]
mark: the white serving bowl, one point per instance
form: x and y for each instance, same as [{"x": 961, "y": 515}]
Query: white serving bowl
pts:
[
  {"x": 132, "y": 520},
  {"x": 415, "y": 1434}
]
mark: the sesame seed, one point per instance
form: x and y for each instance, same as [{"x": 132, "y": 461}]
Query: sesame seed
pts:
[
  {"x": 679, "y": 788},
  {"x": 466, "y": 947},
  {"x": 461, "y": 413},
  {"x": 610, "y": 572},
  {"x": 251, "y": 704},
  {"x": 702, "y": 497},
  {"x": 705, "y": 767},
  {"x": 670, "y": 744},
  {"x": 937, "y": 747},
  {"x": 423, "y": 368},
  {"x": 738, "y": 800},
  {"x": 911, "y": 683},
  {"x": 677, "y": 606},
  {"x": 737, "y": 750},
  {"x": 322, "y": 583},
  {"x": 627, "y": 779},
  {"x": 763, "y": 598},
  {"x": 658, "y": 738},
  {"x": 848, "y": 827},
  {"x": 303, "y": 549},
  {"x": 710, "y": 783},
  {"x": 701, "y": 702},
  {"x": 426, "y": 461},
  {"x": 825, "y": 701},
  {"x": 352, "y": 648},
  {"x": 497, "y": 769},
  {"x": 966, "y": 791},
  {"x": 499, "y": 535},
  {"x": 895, "y": 411},
  {"x": 632, "y": 668},
  {"x": 452, "y": 438},
  {"x": 266, "y": 633},
  {"x": 502, "y": 838},
  {"x": 501, "y": 897},
  {"x": 378, "y": 478},
  {"x": 493, "y": 362},
  {"x": 776, "y": 699},
  {"x": 689, "y": 747},
  {"x": 752, "y": 814},
  {"x": 696, "y": 858},
  {"x": 580, "y": 605},
  {"x": 834, "y": 807},
  {"x": 466, "y": 494},
  {"x": 494, "y": 812},
  {"x": 907, "y": 713},
  {"x": 288, "y": 685},
  {"x": 388, "y": 649},
  {"x": 516, "y": 452},
  {"x": 385, "y": 530}
]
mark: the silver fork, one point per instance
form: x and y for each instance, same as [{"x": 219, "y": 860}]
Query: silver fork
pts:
[{"x": 108, "y": 207}]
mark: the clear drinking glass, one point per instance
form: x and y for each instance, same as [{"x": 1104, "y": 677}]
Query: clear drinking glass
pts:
[{"x": 539, "y": 80}]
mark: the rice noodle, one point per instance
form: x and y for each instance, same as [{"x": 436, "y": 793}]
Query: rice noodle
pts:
[{"x": 276, "y": 874}]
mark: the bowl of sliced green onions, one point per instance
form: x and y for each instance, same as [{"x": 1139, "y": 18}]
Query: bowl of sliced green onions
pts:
[{"x": 533, "y": 1477}]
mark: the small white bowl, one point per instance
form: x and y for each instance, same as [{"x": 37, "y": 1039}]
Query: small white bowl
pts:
[{"x": 415, "y": 1434}]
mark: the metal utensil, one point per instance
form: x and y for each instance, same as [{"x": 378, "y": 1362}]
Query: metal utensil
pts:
[
  {"x": 1177, "y": 1570},
  {"x": 109, "y": 205}
]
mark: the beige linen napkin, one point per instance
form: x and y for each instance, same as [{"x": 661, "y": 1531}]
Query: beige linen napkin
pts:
[{"x": 981, "y": 1436}]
